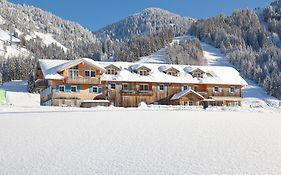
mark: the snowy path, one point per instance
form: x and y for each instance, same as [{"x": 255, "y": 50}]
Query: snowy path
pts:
[{"x": 167, "y": 142}]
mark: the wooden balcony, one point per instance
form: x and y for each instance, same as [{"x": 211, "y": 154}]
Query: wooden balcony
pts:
[{"x": 82, "y": 81}]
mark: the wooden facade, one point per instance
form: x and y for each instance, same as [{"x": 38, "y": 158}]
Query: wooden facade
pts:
[{"x": 73, "y": 90}]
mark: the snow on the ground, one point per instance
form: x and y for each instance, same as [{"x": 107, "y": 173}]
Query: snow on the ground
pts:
[
  {"x": 17, "y": 95},
  {"x": 142, "y": 142}
]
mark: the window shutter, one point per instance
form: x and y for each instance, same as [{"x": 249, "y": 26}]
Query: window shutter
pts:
[
  {"x": 220, "y": 89},
  {"x": 116, "y": 87},
  {"x": 236, "y": 89},
  {"x": 165, "y": 87},
  {"x": 67, "y": 88},
  {"x": 158, "y": 87},
  {"x": 91, "y": 89},
  {"x": 99, "y": 89},
  {"x": 229, "y": 89},
  {"x": 214, "y": 89},
  {"x": 57, "y": 88},
  {"x": 109, "y": 86},
  {"x": 188, "y": 87},
  {"x": 182, "y": 88},
  {"x": 78, "y": 88}
]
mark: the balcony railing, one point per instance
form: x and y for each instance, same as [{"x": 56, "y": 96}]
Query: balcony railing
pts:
[
  {"x": 128, "y": 92},
  {"x": 82, "y": 81},
  {"x": 145, "y": 92}
]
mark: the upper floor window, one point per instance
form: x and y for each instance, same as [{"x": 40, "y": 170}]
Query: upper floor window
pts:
[
  {"x": 161, "y": 87},
  {"x": 125, "y": 86},
  {"x": 144, "y": 87},
  {"x": 217, "y": 89},
  {"x": 90, "y": 73},
  {"x": 73, "y": 72},
  {"x": 197, "y": 74},
  {"x": 231, "y": 89}
]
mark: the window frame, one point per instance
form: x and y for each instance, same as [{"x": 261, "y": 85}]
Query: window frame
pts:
[
  {"x": 92, "y": 73},
  {"x": 143, "y": 72},
  {"x": 125, "y": 84},
  {"x": 216, "y": 87},
  {"x": 95, "y": 89},
  {"x": 73, "y": 87},
  {"x": 232, "y": 87},
  {"x": 61, "y": 86},
  {"x": 161, "y": 87},
  {"x": 144, "y": 85}
]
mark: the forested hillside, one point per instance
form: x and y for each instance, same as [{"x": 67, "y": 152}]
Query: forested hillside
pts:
[
  {"x": 149, "y": 21},
  {"x": 247, "y": 43}
]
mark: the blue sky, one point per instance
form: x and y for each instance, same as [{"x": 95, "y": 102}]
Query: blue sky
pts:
[{"x": 95, "y": 14}]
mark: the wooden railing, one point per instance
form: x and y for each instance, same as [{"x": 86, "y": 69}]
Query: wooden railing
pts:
[
  {"x": 145, "y": 92},
  {"x": 82, "y": 81}
]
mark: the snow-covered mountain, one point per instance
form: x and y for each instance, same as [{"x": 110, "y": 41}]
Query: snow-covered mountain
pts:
[
  {"x": 150, "y": 20},
  {"x": 21, "y": 24}
]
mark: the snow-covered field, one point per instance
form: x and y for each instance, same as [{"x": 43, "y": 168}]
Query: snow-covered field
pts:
[{"x": 140, "y": 142}]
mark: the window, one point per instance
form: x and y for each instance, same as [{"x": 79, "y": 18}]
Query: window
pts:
[
  {"x": 95, "y": 89},
  {"x": 61, "y": 102},
  {"x": 195, "y": 88},
  {"x": 144, "y": 87},
  {"x": 73, "y": 72},
  {"x": 111, "y": 72},
  {"x": 61, "y": 89},
  {"x": 231, "y": 89},
  {"x": 90, "y": 73},
  {"x": 112, "y": 86},
  {"x": 73, "y": 88},
  {"x": 125, "y": 87},
  {"x": 185, "y": 87},
  {"x": 143, "y": 72},
  {"x": 215, "y": 89},
  {"x": 161, "y": 87},
  {"x": 197, "y": 74},
  {"x": 188, "y": 103},
  {"x": 172, "y": 73},
  {"x": 74, "y": 103}
]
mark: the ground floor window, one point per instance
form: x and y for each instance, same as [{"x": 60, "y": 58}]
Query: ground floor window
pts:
[
  {"x": 61, "y": 102},
  {"x": 125, "y": 87},
  {"x": 188, "y": 103},
  {"x": 73, "y": 102},
  {"x": 95, "y": 89}
]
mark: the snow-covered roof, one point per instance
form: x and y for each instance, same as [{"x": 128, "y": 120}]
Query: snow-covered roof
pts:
[
  {"x": 50, "y": 68},
  {"x": 185, "y": 92},
  {"x": 219, "y": 74}
]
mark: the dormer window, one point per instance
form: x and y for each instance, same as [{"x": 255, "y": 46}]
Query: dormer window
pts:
[
  {"x": 112, "y": 70},
  {"x": 172, "y": 71},
  {"x": 197, "y": 73},
  {"x": 143, "y": 72}
]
